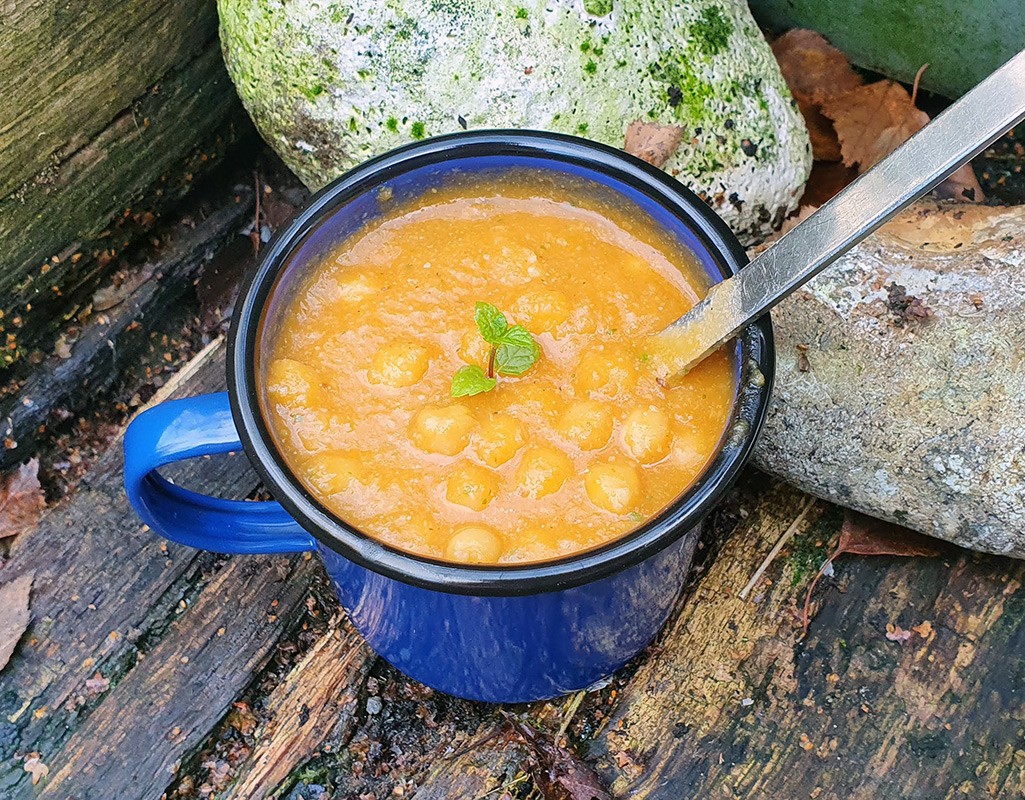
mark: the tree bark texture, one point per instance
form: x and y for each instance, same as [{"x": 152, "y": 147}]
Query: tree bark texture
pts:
[{"x": 110, "y": 110}]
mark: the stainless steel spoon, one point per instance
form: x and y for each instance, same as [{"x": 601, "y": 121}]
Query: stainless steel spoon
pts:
[{"x": 962, "y": 131}]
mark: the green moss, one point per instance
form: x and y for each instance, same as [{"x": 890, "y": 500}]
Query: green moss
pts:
[
  {"x": 590, "y": 67},
  {"x": 585, "y": 45},
  {"x": 582, "y": 128},
  {"x": 807, "y": 554},
  {"x": 521, "y": 13},
  {"x": 711, "y": 32},
  {"x": 685, "y": 92},
  {"x": 417, "y": 130},
  {"x": 392, "y": 124},
  {"x": 311, "y": 92},
  {"x": 598, "y": 8}
]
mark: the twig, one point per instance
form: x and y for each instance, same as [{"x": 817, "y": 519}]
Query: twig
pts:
[
  {"x": 518, "y": 779},
  {"x": 787, "y": 535},
  {"x": 918, "y": 77},
  {"x": 571, "y": 710},
  {"x": 805, "y": 622},
  {"x": 254, "y": 235}
]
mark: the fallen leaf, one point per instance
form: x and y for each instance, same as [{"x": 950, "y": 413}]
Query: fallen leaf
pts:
[
  {"x": 14, "y": 614},
  {"x": 872, "y": 121},
  {"x": 35, "y": 767},
  {"x": 867, "y": 536},
  {"x": 96, "y": 685},
  {"x": 924, "y": 630},
  {"x": 559, "y": 774},
  {"x": 895, "y": 633},
  {"x": 21, "y": 500},
  {"x": 905, "y": 307},
  {"x": 652, "y": 141},
  {"x": 815, "y": 71},
  {"x": 827, "y": 179},
  {"x": 962, "y": 185}
]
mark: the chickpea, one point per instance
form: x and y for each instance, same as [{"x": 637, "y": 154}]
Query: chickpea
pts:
[
  {"x": 353, "y": 287},
  {"x": 333, "y": 471},
  {"x": 294, "y": 384},
  {"x": 442, "y": 429},
  {"x": 542, "y": 471},
  {"x": 542, "y": 310},
  {"x": 646, "y": 434},
  {"x": 474, "y": 545},
  {"x": 472, "y": 486},
  {"x": 614, "y": 486},
  {"x": 473, "y": 349},
  {"x": 499, "y": 438},
  {"x": 399, "y": 364},
  {"x": 608, "y": 369},
  {"x": 513, "y": 264},
  {"x": 587, "y": 423}
]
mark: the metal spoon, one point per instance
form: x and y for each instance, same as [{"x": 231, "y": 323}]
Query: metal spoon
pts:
[{"x": 962, "y": 131}]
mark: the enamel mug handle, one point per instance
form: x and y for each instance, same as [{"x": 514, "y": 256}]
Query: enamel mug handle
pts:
[{"x": 199, "y": 426}]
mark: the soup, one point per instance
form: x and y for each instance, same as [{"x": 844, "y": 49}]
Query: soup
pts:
[{"x": 369, "y": 368}]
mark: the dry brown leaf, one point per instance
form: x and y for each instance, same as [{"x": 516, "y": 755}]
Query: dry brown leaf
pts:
[
  {"x": 14, "y": 614},
  {"x": 867, "y": 536},
  {"x": 895, "y": 633},
  {"x": 872, "y": 121},
  {"x": 652, "y": 141},
  {"x": 35, "y": 767},
  {"x": 924, "y": 630},
  {"x": 558, "y": 773},
  {"x": 815, "y": 71},
  {"x": 21, "y": 500},
  {"x": 827, "y": 179},
  {"x": 962, "y": 185}
]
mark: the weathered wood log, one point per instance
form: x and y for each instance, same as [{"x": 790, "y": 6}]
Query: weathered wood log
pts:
[
  {"x": 110, "y": 597},
  {"x": 108, "y": 110},
  {"x": 110, "y": 340},
  {"x": 901, "y": 381},
  {"x": 731, "y": 704},
  {"x": 315, "y": 703}
]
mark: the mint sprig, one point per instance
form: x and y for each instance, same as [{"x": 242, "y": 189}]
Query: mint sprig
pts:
[{"x": 513, "y": 351}]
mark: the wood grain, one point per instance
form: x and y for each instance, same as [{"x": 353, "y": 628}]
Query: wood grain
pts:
[{"x": 108, "y": 109}]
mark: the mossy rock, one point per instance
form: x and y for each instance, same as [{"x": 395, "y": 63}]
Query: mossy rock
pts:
[{"x": 330, "y": 84}]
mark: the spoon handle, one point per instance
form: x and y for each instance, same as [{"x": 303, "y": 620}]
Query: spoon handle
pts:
[{"x": 962, "y": 131}]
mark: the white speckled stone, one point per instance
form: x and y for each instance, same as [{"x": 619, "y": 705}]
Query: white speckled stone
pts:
[{"x": 330, "y": 84}]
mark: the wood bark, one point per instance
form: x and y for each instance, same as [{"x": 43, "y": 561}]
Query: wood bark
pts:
[
  {"x": 729, "y": 702},
  {"x": 109, "y": 110},
  {"x": 913, "y": 418}
]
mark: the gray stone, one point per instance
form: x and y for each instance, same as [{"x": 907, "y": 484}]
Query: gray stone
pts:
[{"x": 920, "y": 421}]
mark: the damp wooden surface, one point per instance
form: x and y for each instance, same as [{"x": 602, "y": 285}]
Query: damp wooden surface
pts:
[{"x": 233, "y": 677}]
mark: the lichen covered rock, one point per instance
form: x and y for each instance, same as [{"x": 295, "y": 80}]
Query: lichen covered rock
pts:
[{"x": 330, "y": 84}]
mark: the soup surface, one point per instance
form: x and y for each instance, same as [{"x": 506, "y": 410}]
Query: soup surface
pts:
[{"x": 582, "y": 447}]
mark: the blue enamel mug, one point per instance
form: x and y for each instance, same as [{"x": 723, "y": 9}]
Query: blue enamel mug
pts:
[{"x": 502, "y": 633}]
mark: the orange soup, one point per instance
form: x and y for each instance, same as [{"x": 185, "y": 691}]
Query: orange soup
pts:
[{"x": 366, "y": 372}]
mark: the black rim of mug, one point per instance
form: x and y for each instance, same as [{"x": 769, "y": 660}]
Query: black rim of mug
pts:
[{"x": 686, "y": 512}]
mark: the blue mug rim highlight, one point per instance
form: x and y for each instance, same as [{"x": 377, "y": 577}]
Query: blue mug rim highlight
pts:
[{"x": 756, "y": 359}]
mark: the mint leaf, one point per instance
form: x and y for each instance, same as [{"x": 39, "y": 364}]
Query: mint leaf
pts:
[
  {"x": 490, "y": 322},
  {"x": 470, "y": 380},
  {"x": 517, "y": 351}
]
